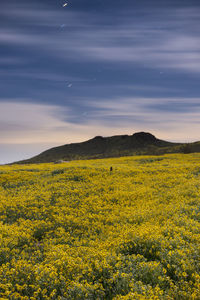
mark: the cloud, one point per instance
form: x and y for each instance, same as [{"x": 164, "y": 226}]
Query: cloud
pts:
[
  {"x": 175, "y": 119},
  {"x": 163, "y": 40},
  {"x": 28, "y": 123},
  {"x": 133, "y": 48},
  {"x": 36, "y": 123},
  {"x": 170, "y": 51},
  {"x": 27, "y": 129}
]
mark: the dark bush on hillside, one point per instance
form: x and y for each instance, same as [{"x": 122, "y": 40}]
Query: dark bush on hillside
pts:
[{"x": 186, "y": 149}]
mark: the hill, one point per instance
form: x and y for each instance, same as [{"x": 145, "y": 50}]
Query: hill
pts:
[{"x": 140, "y": 143}]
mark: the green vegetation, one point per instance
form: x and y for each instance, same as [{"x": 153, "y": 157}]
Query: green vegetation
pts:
[
  {"x": 116, "y": 146},
  {"x": 79, "y": 231},
  {"x": 99, "y": 147}
]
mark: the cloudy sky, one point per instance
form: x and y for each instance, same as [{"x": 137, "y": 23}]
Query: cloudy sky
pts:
[{"x": 97, "y": 67}]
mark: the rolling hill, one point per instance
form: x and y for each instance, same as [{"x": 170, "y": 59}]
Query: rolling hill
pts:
[{"x": 141, "y": 143}]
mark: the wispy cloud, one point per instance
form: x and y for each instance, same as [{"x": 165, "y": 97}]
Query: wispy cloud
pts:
[
  {"x": 112, "y": 73},
  {"x": 27, "y": 123},
  {"x": 161, "y": 41},
  {"x": 167, "y": 117},
  {"x": 38, "y": 127},
  {"x": 22, "y": 122}
]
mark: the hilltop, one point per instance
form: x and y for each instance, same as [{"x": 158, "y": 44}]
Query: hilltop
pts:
[{"x": 140, "y": 143}]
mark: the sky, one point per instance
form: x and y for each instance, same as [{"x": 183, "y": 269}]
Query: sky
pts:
[{"x": 71, "y": 70}]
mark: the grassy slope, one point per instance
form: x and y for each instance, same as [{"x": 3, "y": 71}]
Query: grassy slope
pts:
[
  {"x": 115, "y": 146},
  {"x": 78, "y": 231}
]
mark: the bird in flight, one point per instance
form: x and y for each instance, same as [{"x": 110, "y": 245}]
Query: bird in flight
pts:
[{"x": 65, "y": 4}]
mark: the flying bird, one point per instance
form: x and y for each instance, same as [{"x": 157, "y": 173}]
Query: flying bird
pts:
[{"x": 65, "y": 4}]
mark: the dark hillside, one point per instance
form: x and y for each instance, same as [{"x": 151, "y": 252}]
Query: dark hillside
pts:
[{"x": 101, "y": 147}]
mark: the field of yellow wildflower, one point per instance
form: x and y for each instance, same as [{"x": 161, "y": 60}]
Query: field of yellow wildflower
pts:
[{"x": 80, "y": 231}]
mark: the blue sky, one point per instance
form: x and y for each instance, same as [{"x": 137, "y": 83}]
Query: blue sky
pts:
[{"x": 97, "y": 68}]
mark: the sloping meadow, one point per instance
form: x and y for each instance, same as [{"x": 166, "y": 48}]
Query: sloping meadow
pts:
[{"x": 79, "y": 230}]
